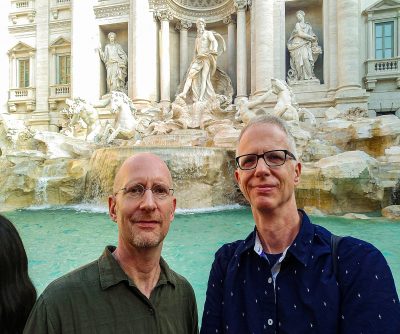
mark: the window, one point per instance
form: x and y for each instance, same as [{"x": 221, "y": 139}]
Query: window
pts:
[
  {"x": 23, "y": 73},
  {"x": 63, "y": 69},
  {"x": 384, "y": 40}
]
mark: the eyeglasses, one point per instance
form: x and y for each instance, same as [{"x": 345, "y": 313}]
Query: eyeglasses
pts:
[
  {"x": 273, "y": 158},
  {"x": 136, "y": 191}
]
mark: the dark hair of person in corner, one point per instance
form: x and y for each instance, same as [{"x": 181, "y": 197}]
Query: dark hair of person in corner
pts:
[{"x": 17, "y": 293}]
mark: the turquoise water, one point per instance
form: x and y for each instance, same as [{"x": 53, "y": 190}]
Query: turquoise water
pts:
[{"x": 59, "y": 240}]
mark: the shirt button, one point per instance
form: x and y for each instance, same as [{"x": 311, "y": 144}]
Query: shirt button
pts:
[
  {"x": 270, "y": 280},
  {"x": 270, "y": 322},
  {"x": 151, "y": 311}
]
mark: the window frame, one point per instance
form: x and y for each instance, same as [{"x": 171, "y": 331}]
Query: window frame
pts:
[
  {"x": 26, "y": 75},
  {"x": 59, "y": 70},
  {"x": 382, "y": 23}
]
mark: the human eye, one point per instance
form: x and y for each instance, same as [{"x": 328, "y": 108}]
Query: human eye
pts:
[
  {"x": 248, "y": 161},
  {"x": 160, "y": 190},
  {"x": 135, "y": 190},
  {"x": 275, "y": 157}
]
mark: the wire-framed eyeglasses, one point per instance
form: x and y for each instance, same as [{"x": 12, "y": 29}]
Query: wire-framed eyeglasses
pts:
[
  {"x": 272, "y": 158},
  {"x": 137, "y": 191}
]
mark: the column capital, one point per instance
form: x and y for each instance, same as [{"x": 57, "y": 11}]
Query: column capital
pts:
[
  {"x": 242, "y": 4},
  {"x": 229, "y": 20},
  {"x": 163, "y": 15},
  {"x": 183, "y": 25}
]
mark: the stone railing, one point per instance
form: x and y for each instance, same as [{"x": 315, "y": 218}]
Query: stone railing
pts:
[
  {"x": 21, "y": 94},
  {"x": 382, "y": 69},
  {"x": 18, "y": 5},
  {"x": 383, "y": 66},
  {"x": 60, "y": 91}
]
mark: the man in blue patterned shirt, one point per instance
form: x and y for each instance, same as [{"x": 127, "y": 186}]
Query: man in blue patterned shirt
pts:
[{"x": 280, "y": 279}]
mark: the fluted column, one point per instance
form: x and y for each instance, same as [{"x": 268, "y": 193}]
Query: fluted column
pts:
[
  {"x": 348, "y": 45},
  {"x": 241, "y": 49},
  {"x": 330, "y": 46},
  {"x": 183, "y": 27},
  {"x": 264, "y": 44},
  {"x": 230, "y": 21},
  {"x": 165, "y": 16}
]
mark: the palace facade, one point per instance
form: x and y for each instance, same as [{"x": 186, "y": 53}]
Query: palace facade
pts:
[{"x": 49, "y": 51}]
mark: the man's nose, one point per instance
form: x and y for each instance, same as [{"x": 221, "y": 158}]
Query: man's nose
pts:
[
  {"x": 262, "y": 167},
  {"x": 148, "y": 202}
]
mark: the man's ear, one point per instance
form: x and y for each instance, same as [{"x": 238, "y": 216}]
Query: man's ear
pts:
[
  {"x": 172, "y": 215},
  {"x": 237, "y": 177},
  {"x": 111, "y": 207},
  {"x": 297, "y": 171}
]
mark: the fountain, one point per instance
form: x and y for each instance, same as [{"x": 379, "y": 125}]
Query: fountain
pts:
[{"x": 351, "y": 163}]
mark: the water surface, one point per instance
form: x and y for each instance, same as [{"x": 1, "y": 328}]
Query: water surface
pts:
[{"x": 59, "y": 240}]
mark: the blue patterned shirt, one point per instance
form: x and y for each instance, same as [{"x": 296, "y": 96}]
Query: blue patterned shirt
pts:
[{"x": 305, "y": 297}]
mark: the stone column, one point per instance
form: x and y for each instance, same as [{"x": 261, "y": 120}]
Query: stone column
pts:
[
  {"x": 32, "y": 70},
  {"x": 41, "y": 79},
  {"x": 165, "y": 16},
  {"x": 13, "y": 72},
  {"x": 370, "y": 37},
  {"x": 330, "y": 46},
  {"x": 142, "y": 53},
  {"x": 241, "y": 49},
  {"x": 264, "y": 44},
  {"x": 229, "y": 20},
  {"x": 348, "y": 45},
  {"x": 183, "y": 27}
]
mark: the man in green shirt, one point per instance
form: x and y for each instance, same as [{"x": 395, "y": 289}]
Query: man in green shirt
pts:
[{"x": 130, "y": 288}]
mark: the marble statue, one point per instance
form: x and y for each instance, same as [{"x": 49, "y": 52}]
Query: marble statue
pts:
[
  {"x": 116, "y": 62},
  {"x": 125, "y": 123},
  {"x": 286, "y": 106},
  {"x": 304, "y": 50},
  {"x": 203, "y": 65},
  {"x": 80, "y": 110}
]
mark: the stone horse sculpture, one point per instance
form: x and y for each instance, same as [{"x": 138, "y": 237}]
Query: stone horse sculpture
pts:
[
  {"x": 125, "y": 124},
  {"x": 79, "y": 110}
]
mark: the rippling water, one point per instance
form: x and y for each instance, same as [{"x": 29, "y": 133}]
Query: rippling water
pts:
[{"x": 58, "y": 240}]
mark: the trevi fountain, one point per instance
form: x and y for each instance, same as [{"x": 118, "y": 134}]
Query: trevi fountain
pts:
[{"x": 351, "y": 159}]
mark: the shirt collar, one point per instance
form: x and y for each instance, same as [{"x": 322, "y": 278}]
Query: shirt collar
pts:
[
  {"x": 111, "y": 273},
  {"x": 300, "y": 248},
  {"x": 302, "y": 245}
]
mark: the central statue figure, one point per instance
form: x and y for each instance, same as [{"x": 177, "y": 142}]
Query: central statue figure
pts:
[{"x": 203, "y": 65}]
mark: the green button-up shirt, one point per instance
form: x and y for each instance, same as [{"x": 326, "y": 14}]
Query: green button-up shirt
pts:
[{"x": 101, "y": 298}]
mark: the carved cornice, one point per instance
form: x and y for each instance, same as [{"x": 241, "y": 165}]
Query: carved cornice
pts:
[
  {"x": 242, "y": 4},
  {"x": 64, "y": 24},
  {"x": 229, "y": 19},
  {"x": 191, "y": 10},
  {"x": 183, "y": 24},
  {"x": 111, "y": 10},
  {"x": 22, "y": 29},
  {"x": 164, "y": 15}
]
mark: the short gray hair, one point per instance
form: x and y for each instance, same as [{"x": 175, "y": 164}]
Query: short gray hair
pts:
[{"x": 272, "y": 120}]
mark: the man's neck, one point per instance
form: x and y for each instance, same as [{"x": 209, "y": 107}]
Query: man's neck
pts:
[
  {"x": 277, "y": 230},
  {"x": 141, "y": 265}
]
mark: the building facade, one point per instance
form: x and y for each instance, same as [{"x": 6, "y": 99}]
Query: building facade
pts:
[{"x": 49, "y": 51}]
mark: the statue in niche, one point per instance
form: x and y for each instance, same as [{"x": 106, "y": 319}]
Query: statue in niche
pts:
[
  {"x": 203, "y": 65},
  {"x": 116, "y": 62},
  {"x": 286, "y": 106},
  {"x": 206, "y": 90},
  {"x": 304, "y": 51}
]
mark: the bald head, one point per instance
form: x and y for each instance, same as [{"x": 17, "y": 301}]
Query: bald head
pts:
[{"x": 142, "y": 166}]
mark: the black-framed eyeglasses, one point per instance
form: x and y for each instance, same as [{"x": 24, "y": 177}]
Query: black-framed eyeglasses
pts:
[
  {"x": 272, "y": 158},
  {"x": 137, "y": 191}
]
